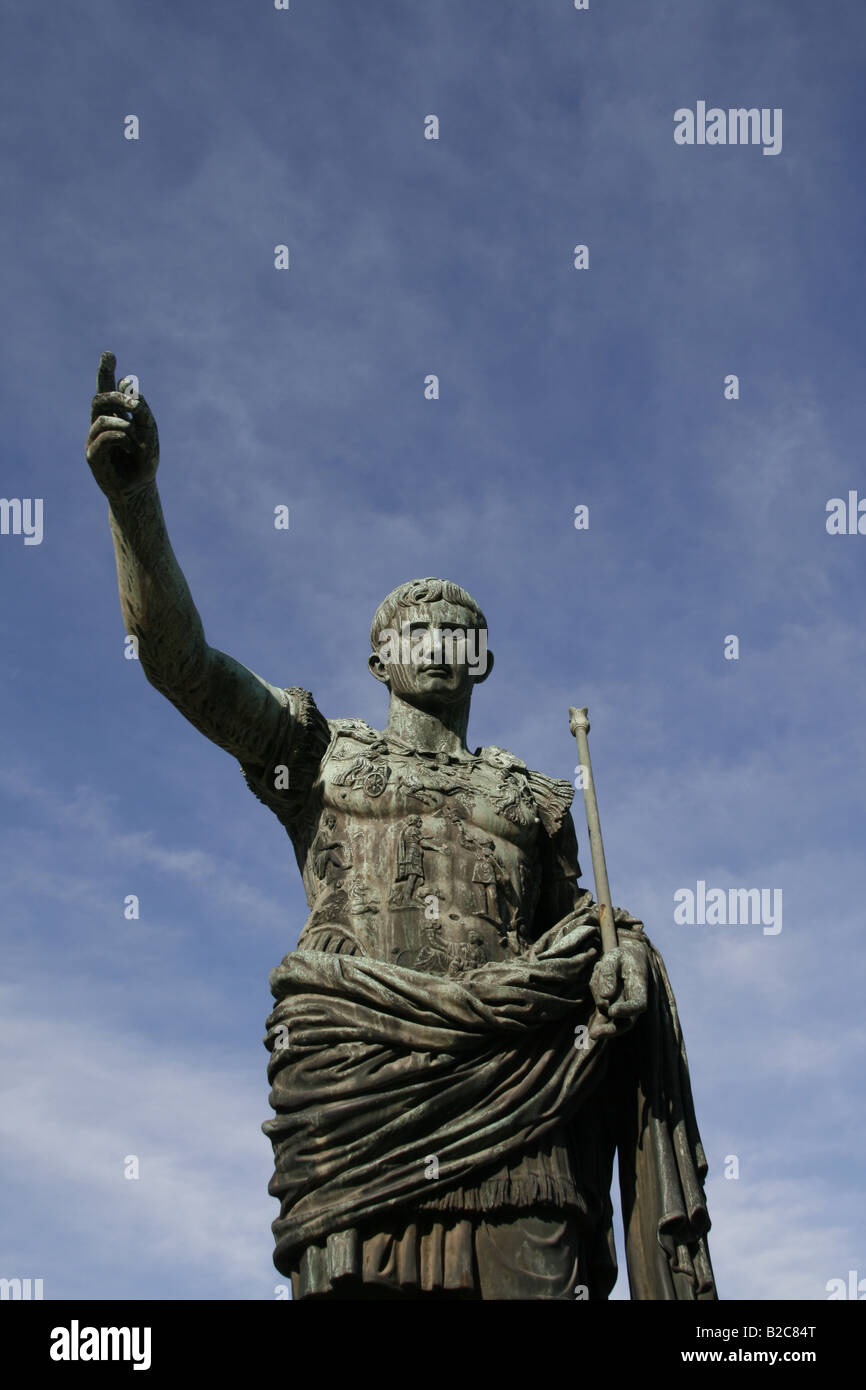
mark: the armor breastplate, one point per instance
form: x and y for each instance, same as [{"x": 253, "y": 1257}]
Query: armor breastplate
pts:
[{"x": 424, "y": 860}]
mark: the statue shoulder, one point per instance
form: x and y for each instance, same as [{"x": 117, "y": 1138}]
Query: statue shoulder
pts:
[
  {"x": 306, "y": 731},
  {"x": 552, "y": 795},
  {"x": 284, "y": 779},
  {"x": 357, "y": 729}
]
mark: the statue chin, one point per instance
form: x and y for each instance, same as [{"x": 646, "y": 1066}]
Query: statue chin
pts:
[{"x": 433, "y": 700}]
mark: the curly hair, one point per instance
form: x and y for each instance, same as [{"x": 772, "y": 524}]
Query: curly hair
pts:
[{"x": 419, "y": 593}]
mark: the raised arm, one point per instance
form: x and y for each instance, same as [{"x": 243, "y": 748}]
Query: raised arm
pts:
[{"x": 229, "y": 704}]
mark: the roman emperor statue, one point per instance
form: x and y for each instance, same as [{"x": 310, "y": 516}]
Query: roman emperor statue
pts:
[{"x": 454, "y": 1059}]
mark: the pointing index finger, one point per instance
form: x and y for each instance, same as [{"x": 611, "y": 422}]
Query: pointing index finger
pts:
[{"x": 105, "y": 374}]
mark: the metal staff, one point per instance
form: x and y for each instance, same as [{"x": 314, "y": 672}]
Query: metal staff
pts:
[{"x": 578, "y": 722}]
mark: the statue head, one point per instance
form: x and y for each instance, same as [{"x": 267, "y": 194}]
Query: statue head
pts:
[{"x": 429, "y": 640}]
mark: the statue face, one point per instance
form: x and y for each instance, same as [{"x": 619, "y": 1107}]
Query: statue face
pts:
[{"x": 435, "y": 657}]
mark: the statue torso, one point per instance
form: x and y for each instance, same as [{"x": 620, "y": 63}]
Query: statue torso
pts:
[
  {"x": 425, "y": 860},
  {"x": 436, "y": 863}
]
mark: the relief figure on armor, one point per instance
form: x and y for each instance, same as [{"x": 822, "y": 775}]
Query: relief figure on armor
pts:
[
  {"x": 487, "y": 874},
  {"x": 410, "y": 862},
  {"x": 327, "y": 852}
]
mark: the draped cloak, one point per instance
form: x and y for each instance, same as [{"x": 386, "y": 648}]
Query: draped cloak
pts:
[{"x": 376, "y": 1069}]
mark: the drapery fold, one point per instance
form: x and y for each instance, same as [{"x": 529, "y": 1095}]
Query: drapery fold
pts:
[
  {"x": 661, "y": 1159},
  {"x": 391, "y": 1087}
]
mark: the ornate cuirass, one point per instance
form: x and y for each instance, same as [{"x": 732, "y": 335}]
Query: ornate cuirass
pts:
[
  {"x": 434, "y": 861},
  {"x": 428, "y": 860}
]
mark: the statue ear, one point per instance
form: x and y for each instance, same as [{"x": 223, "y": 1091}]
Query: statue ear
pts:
[
  {"x": 486, "y": 672},
  {"x": 378, "y": 668}
]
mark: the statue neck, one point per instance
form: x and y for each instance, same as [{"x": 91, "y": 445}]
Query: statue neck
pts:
[{"x": 435, "y": 731}]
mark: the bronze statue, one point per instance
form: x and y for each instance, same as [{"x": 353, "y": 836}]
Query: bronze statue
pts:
[{"x": 454, "y": 1058}]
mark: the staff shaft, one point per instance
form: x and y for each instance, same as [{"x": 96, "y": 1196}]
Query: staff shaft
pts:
[{"x": 579, "y": 725}]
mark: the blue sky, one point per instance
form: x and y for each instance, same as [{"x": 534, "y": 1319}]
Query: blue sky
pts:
[{"x": 305, "y": 387}]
